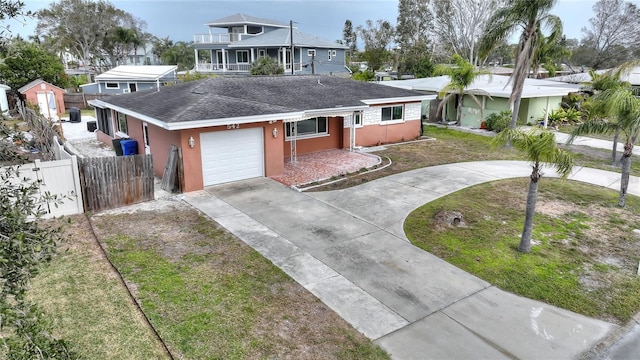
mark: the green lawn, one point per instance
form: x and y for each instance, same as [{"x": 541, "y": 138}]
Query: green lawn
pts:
[
  {"x": 585, "y": 258},
  {"x": 87, "y": 305},
  {"x": 449, "y": 145},
  {"x": 213, "y": 297}
]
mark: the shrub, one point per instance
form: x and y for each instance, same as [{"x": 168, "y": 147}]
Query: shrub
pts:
[
  {"x": 563, "y": 117},
  {"x": 498, "y": 121},
  {"x": 266, "y": 66},
  {"x": 364, "y": 76}
]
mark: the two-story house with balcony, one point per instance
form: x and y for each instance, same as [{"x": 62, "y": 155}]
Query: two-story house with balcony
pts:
[{"x": 235, "y": 42}]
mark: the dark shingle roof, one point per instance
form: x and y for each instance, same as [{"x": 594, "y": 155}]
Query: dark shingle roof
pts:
[
  {"x": 282, "y": 37},
  {"x": 228, "y": 97},
  {"x": 238, "y": 19}
]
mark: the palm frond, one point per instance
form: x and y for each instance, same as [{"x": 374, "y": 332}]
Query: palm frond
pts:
[{"x": 537, "y": 146}]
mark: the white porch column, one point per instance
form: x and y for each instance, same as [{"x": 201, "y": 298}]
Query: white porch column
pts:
[
  {"x": 546, "y": 113},
  {"x": 214, "y": 59},
  {"x": 252, "y": 55},
  {"x": 224, "y": 59},
  {"x": 352, "y": 132},
  {"x": 197, "y": 62}
]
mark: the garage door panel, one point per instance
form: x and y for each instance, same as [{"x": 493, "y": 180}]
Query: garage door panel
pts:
[{"x": 232, "y": 155}]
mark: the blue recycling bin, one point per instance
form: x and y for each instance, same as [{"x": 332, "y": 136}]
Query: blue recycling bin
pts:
[{"x": 129, "y": 147}]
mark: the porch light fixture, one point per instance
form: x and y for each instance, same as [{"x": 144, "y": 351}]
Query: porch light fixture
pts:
[
  {"x": 192, "y": 142},
  {"x": 274, "y": 132}
]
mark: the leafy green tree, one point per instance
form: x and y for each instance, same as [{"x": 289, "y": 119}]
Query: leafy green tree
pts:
[
  {"x": 181, "y": 54},
  {"x": 549, "y": 53},
  {"x": 376, "y": 38},
  {"x": 461, "y": 74},
  {"x": 82, "y": 27},
  {"x": 621, "y": 103},
  {"x": 599, "y": 111},
  {"x": 529, "y": 16},
  {"x": 350, "y": 37},
  {"x": 422, "y": 67},
  {"x": 412, "y": 32},
  {"x": 540, "y": 148},
  {"x": 25, "y": 62},
  {"x": 266, "y": 66},
  {"x": 25, "y": 245}
]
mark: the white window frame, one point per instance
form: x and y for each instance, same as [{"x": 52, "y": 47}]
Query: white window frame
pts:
[
  {"x": 311, "y": 52},
  {"x": 106, "y": 85},
  {"x": 262, "y": 53},
  {"x": 333, "y": 53},
  {"x": 392, "y": 120},
  {"x": 122, "y": 129},
  {"x": 238, "y": 52},
  {"x": 329, "y": 55},
  {"x": 357, "y": 115},
  {"x": 315, "y": 134}
]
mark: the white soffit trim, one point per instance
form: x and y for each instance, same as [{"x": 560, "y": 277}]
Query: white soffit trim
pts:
[
  {"x": 404, "y": 99},
  {"x": 198, "y": 123}
]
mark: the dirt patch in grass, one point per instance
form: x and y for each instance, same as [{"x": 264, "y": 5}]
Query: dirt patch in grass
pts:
[
  {"x": 585, "y": 253},
  {"x": 212, "y": 296}
]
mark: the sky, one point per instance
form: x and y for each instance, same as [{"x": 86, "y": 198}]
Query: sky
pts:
[{"x": 181, "y": 20}]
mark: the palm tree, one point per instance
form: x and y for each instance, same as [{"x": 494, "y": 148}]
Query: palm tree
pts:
[
  {"x": 548, "y": 53},
  {"x": 601, "y": 82},
  {"x": 539, "y": 147},
  {"x": 625, "y": 107},
  {"x": 461, "y": 75},
  {"x": 530, "y": 16}
]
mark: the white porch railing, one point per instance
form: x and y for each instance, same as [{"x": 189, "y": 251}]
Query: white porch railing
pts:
[
  {"x": 208, "y": 67},
  {"x": 225, "y": 38}
]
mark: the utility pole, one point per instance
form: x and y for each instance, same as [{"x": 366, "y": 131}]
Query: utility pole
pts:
[
  {"x": 313, "y": 62},
  {"x": 292, "y": 53}
]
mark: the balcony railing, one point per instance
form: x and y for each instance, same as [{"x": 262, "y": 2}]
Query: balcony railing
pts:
[
  {"x": 208, "y": 67},
  {"x": 225, "y": 38}
]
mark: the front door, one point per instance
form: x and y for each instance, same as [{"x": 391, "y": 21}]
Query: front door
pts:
[
  {"x": 220, "y": 65},
  {"x": 145, "y": 135},
  {"x": 133, "y": 87}
]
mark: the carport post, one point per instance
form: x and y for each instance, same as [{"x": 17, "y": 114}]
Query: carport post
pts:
[
  {"x": 546, "y": 114},
  {"x": 292, "y": 140}
]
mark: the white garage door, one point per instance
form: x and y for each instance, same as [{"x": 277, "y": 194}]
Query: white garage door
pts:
[{"x": 232, "y": 155}]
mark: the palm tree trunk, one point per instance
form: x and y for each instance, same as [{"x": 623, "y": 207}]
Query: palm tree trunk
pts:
[
  {"x": 614, "y": 150},
  {"x": 626, "y": 169},
  {"x": 532, "y": 198},
  {"x": 515, "y": 110}
]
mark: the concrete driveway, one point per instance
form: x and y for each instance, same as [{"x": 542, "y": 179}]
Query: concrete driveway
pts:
[{"x": 348, "y": 248}]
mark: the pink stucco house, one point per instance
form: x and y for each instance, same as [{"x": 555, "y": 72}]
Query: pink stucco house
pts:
[{"x": 242, "y": 127}]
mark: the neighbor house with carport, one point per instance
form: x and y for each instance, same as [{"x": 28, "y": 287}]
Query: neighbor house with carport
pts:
[
  {"x": 125, "y": 79},
  {"x": 234, "y": 128},
  {"x": 539, "y": 97}
]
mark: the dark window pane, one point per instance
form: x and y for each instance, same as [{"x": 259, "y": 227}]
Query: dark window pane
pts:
[{"x": 322, "y": 125}]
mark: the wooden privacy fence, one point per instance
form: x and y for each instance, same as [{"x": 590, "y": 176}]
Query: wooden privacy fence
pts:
[
  {"x": 111, "y": 182},
  {"x": 79, "y": 100}
]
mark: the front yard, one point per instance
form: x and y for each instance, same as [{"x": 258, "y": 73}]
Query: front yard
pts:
[
  {"x": 585, "y": 253},
  {"x": 208, "y": 294},
  {"x": 451, "y": 146}
]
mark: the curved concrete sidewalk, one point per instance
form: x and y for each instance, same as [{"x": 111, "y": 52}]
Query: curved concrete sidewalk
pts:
[{"x": 349, "y": 249}]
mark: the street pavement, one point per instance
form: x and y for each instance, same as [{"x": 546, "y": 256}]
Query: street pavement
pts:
[{"x": 349, "y": 249}]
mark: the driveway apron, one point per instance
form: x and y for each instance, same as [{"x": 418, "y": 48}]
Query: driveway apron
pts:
[{"x": 348, "y": 248}]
